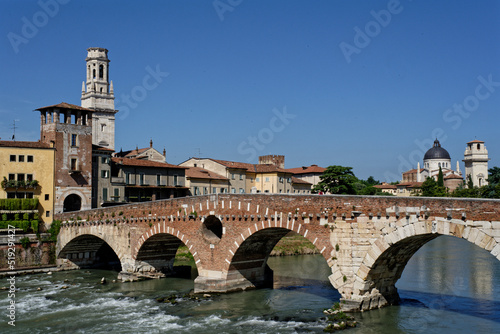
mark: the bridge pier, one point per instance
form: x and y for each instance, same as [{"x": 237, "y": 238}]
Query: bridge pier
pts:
[{"x": 235, "y": 280}]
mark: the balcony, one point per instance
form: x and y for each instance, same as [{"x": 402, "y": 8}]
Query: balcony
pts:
[
  {"x": 6, "y": 184},
  {"x": 115, "y": 179}
]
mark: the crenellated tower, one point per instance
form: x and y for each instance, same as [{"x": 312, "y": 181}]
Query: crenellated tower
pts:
[{"x": 98, "y": 95}]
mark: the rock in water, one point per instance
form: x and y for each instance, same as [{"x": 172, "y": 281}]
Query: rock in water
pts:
[{"x": 103, "y": 280}]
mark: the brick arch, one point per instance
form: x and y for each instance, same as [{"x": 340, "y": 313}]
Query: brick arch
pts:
[
  {"x": 87, "y": 244},
  {"x": 385, "y": 261},
  {"x": 163, "y": 229},
  {"x": 319, "y": 239},
  {"x": 85, "y": 203}
]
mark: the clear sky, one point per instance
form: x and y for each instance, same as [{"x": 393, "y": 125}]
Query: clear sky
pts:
[{"x": 363, "y": 84}]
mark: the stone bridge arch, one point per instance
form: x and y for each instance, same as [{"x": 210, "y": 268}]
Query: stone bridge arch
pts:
[
  {"x": 155, "y": 250},
  {"x": 87, "y": 247},
  {"x": 375, "y": 280}
]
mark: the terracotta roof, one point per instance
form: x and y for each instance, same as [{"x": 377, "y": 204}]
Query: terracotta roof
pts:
[
  {"x": 297, "y": 180},
  {"x": 411, "y": 171},
  {"x": 306, "y": 170},
  {"x": 475, "y": 141},
  {"x": 64, "y": 105},
  {"x": 385, "y": 186},
  {"x": 200, "y": 173},
  {"x": 144, "y": 163},
  {"x": 233, "y": 164},
  {"x": 100, "y": 148},
  {"x": 256, "y": 168},
  {"x": 24, "y": 144},
  {"x": 453, "y": 176},
  {"x": 409, "y": 184},
  {"x": 131, "y": 153}
]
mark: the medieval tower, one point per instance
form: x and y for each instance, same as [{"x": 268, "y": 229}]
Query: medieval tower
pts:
[
  {"x": 476, "y": 163},
  {"x": 97, "y": 94}
]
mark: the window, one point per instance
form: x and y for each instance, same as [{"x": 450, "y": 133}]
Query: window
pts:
[
  {"x": 21, "y": 158},
  {"x": 214, "y": 190},
  {"x": 30, "y": 158},
  {"x": 281, "y": 180},
  {"x": 127, "y": 178},
  {"x": 196, "y": 191},
  {"x": 47, "y": 213},
  {"x": 12, "y": 158},
  {"x": 116, "y": 196},
  {"x": 74, "y": 165},
  {"x": 46, "y": 197},
  {"x": 29, "y": 195},
  {"x": 103, "y": 127},
  {"x": 141, "y": 179},
  {"x": 176, "y": 180},
  {"x": 20, "y": 177},
  {"x": 241, "y": 176},
  {"x": 205, "y": 190},
  {"x": 104, "y": 160},
  {"x": 233, "y": 190},
  {"x": 232, "y": 176},
  {"x": 242, "y": 191},
  {"x": 73, "y": 140},
  {"x": 12, "y": 176},
  {"x": 251, "y": 180},
  {"x": 289, "y": 180},
  {"x": 101, "y": 71},
  {"x": 158, "y": 179},
  {"x": 281, "y": 191},
  {"x": 267, "y": 179},
  {"x": 105, "y": 174},
  {"x": 11, "y": 195},
  {"x": 104, "y": 194},
  {"x": 29, "y": 177},
  {"x": 257, "y": 179},
  {"x": 221, "y": 190}
]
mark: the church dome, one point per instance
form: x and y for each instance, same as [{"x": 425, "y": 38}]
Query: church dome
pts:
[{"x": 437, "y": 152}]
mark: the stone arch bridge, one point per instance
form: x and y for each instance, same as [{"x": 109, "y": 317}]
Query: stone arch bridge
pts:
[{"x": 366, "y": 240}]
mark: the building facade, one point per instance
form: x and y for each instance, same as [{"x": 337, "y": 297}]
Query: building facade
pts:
[
  {"x": 68, "y": 128},
  {"x": 27, "y": 171},
  {"x": 203, "y": 182},
  {"x": 309, "y": 174}
]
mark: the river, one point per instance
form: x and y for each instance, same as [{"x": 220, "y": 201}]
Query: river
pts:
[{"x": 449, "y": 286}]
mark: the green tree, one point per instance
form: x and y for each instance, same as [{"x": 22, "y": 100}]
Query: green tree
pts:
[
  {"x": 494, "y": 175},
  {"x": 440, "y": 181},
  {"x": 470, "y": 184},
  {"x": 337, "y": 180},
  {"x": 430, "y": 188}
]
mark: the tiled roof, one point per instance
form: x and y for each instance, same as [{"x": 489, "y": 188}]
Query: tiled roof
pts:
[
  {"x": 24, "y": 144},
  {"x": 297, "y": 180},
  {"x": 256, "y": 168},
  {"x": 100, "y": 148},
  {"x": 131, "y": 153},
  {"x": 453, "y": 176},
  {"x": 385, "y": 186},
  {"x": 411, "y": 171},
  {"x": 64, "y": 105},
  {"x": 409, "y": 184},
  {"x": 233, "y": 164},
  {"x": 144, "y": 163},
  {"x": 307, "y": 170},
  {"x": 475, "y": 141},
  {"x": 200, "y": 173}
]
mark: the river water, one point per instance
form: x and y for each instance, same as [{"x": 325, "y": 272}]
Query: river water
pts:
[{"x": 449, "y": 286}]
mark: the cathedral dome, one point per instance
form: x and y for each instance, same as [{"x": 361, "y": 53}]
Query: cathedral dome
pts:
[{"x": 437, "y": 152}]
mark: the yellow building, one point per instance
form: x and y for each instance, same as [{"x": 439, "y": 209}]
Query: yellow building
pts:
[{"x": 27, "y": 171}]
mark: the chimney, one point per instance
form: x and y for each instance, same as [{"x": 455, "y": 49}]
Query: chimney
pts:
[{"x": 151, "y": 143}]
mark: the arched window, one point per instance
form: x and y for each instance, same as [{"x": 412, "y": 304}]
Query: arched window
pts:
[
  {"x": 478, "y": 146},
  {"x": 101, "y": 71},
  {"x": 88, "y": 71},
  {"x": 93, "y": 73},
  {"x": 101, "y": 89},
  {"x": 439, "y": 164}
]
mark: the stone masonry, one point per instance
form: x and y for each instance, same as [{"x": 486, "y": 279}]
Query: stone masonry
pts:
[{"x": 366, "y": 240}]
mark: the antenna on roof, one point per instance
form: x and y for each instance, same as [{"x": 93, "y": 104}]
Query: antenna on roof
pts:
[
  {"x": 199, "y": 152},
  {"x": 14, "y": 127}
]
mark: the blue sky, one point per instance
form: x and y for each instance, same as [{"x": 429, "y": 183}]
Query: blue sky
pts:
[{"x": 363, "y": 84}]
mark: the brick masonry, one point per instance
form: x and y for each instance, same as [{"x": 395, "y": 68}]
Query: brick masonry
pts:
[{"x": 366, "y": 240}]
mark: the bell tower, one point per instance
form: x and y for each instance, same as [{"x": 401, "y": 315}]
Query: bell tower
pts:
[
  {"x": 98, "y": 95},
  {"x": 476, "y": 163}
]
